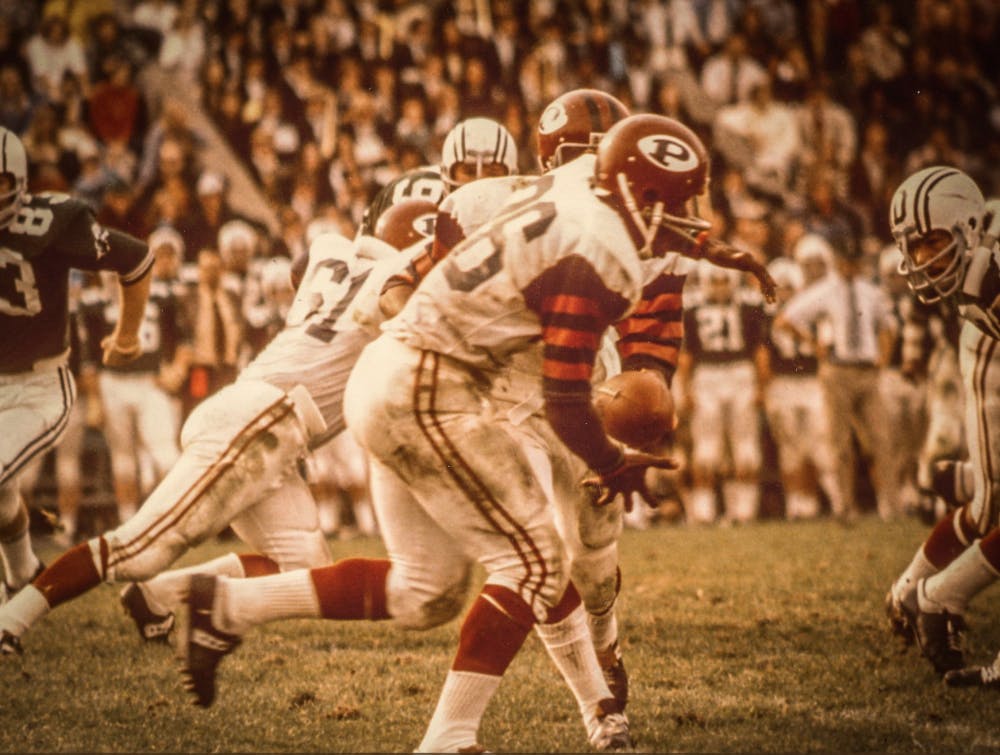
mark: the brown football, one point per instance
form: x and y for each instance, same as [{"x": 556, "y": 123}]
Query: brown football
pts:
[{"x": 636, "y": 407}]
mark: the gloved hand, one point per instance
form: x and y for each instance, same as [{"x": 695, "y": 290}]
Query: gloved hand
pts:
[{"x": 627, "y": 477}]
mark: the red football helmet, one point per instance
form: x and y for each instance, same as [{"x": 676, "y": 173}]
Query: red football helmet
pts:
[
  {"x": 407, "y": 222},
  {"x": 655, "y": 166},
  {"x": 573, "y": 123}
]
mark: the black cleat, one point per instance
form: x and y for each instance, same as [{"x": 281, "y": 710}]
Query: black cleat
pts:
[
  {"x": 10, "y": 644},
  {"x": 940, "y": 636},
  {"x": 613, "y": 668},
  {"x": 987, "y": 677},
  {"x": 206, "y": 645},
  {"x": 153, "y": 627}
]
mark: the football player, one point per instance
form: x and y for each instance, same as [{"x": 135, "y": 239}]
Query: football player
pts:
[
  {"x": 722, "y": 368},
  {"x": 239, "y": 463},
  {"x": 139, "y": 415},
  {"x": 559, "y": 264},
  {"x": 793, "y": 402},
  {"x": 948, "y": 237},
  {"x": 650, "y": 338},
  {"x": 41, "y": 238}
]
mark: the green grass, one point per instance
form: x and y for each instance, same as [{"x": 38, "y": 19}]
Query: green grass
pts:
[{"x": 765, "y": 638}]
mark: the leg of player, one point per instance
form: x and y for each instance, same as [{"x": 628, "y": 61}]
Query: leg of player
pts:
[
  {"x": 949, "y": 538},
  {"x": 237, "y": 444},
  {"x": 20, "y": 564}
]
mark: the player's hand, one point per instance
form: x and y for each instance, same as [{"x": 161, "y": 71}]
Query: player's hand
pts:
[
  {"x": 118, "y": 352},
  {"x": 627, "y": 478}
]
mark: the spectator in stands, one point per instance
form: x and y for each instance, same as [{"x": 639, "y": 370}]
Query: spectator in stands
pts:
[
  {"x": 117, "y": 108},
  {"x": 52, "y": 53},
  {"x": 827, "y": 134},
  {"x": 729, "y": 76},
  {"x": 17, "y": 103},
  {"x": 183, "y": 49},
  {"x": 760, "y": 136}
]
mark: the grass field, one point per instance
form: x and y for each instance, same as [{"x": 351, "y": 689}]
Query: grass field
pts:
[{"x": 767, "y": 638}]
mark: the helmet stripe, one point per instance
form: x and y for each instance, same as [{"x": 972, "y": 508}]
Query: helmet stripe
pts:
[
  {"x": 922, "y": 200},
  {"x": 496, "y": 147},
  {"x": 460, "y": 156}
]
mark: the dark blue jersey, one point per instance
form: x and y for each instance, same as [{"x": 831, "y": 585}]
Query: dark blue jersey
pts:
[{"x": 52, "y": 234}]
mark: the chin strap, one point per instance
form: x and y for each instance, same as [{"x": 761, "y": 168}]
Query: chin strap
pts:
[{"x": 658, "y": 218}]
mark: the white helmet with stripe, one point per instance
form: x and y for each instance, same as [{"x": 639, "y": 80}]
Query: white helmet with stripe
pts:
[
  {"x": 14, "y": 164},
  {"x": 476, "y": 143},
  {"x": 939, "y": 198}
]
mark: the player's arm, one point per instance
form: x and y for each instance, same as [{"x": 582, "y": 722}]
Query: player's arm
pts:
[
  {"x": 133, "y": 261},
  {"x": 651, "y": 337},
  {"x": 720, "y": 253},
  {"x": 575, "y": 308}
]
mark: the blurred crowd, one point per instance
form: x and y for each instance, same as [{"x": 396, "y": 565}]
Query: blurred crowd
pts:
[{"x": 230, "y": 132}]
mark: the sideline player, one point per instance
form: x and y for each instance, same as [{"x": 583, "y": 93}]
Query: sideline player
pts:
[
  {"x": 940, "y": 222},
  {"x": 41, "y": 238}
]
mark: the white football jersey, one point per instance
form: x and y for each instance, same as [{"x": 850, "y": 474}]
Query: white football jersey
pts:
[
  {"x": 473, "y": 306},
  {"x": 333, "y": 317}
]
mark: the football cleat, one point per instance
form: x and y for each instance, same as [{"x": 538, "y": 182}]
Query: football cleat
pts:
[
  {"x": 153, "y": 627},
  {"x": 206, "y": 645},
  {"x": 940, "y": 636},
  {"x": 7, "y": 592},
  {"x": 901, "y": 618},
  {"x": 975, "y": 676},
  {"x": 610, "y": 732},
  {"x": 613, "y": 668},
  {"x": 10, "y": 644}
]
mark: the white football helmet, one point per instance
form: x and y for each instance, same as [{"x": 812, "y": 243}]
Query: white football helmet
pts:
[
  {"x": 786, "y": 273},
  {"x": 13, "y": 163},
  {"x": 477, "y": 142},
  {"x": 937, "y": 198}
]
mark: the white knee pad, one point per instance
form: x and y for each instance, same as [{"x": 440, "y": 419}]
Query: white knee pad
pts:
[
  {"x": 595, "y": 574},
  {"x": 415, "y": 606},
  {"x": 600, "y": 527}
]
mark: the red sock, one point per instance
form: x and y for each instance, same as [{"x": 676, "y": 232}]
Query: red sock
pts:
[
  {"x": 493, "y": 631},
  {"x": 256, "y": 565},
  {"x": 352, "y": 589},
  {"x": 990, "y": 547},
  {"x": 949, "y": 538},
  {"x": 70, "y": 575}
]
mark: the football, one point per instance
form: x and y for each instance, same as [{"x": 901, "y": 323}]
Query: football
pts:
[{"x": 635, "y": 407}]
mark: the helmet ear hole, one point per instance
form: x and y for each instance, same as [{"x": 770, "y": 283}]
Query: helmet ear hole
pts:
[{"x": 649, "y": 196}]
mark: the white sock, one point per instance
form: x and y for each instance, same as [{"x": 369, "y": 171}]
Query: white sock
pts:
[
  {"x": 166, "y": 591},
  {"x": 570, "y": 647},
  {"x": 742, "y": 500},
  {"x": 460, "y": 708},
  {"x": 952, "y": 588},
  {"x": 19, "y": 561},
  {"x": 603, "y": 628},
  {"x": 701, "y": 506},
  {"x": 244, "y": 603},
  {"x": 800, "y": 505},
  {"x": 904, "y": 588},
  {"x": 23, "y": 611}
]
